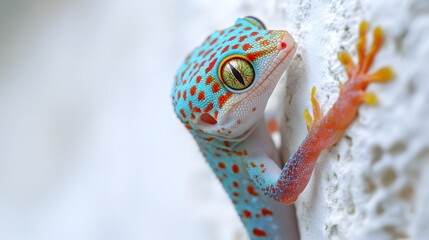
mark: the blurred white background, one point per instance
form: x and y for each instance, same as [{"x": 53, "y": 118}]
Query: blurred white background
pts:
[{"x": 89, "y": 145}]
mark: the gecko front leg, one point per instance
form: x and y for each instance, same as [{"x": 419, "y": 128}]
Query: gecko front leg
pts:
[{"x": 285, "y": 185}]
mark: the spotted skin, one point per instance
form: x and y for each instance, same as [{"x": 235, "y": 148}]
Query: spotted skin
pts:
[{"x": 229, "y": 127}]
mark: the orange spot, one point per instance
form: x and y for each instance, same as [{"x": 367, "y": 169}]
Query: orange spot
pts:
[
  {"x": 216, "y": 87},
  {"x": 223, "y": 98},
  {"x": 192, "y": 116},
  {"x": 235, "y": 46},
  {"x": 225, "y": 49},
  {"x": 197, "y": 109},
  {"x": 265, "y": 43},
  {"x": 221, "y": 165},
  {"x": 183, "y": 113},
  {"x": 259, "y": 233},
  {"x": 199, "y": 79},
  {"x": 253, "y": 164},
  {"x": 212, "y": 63},
  {"x": 247, "y": 214},
  {"x": 272, "y": 126},
  {"x": 246, "y": 47},
  {"x": 209, "y": 79},
  {"x": 217, "y": 155},
  {"x": 266, "y": 212},
  {"x": 193, "y": 90},
  {"x": 201, "y": 96},
  {"x": 239, "y": 153},
  {"x": 235, "y": 168},
  {"x": 245, "y": 153},
  {"x": 251, "y": 191}
]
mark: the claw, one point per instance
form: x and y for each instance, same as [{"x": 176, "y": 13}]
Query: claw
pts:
[
  {"x": 347, "y": 62},
  {"x": 369, "y": 98},
  {"x": 382, "y": 75},
  {"x": 316, "y": 106},
  {"x": 308, "y": 119},
  {"x": 378, "y": 39},
  {"x": 361, "y": 44}
]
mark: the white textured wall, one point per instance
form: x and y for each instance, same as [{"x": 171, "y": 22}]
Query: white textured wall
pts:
[{"x": 90, "y": 147}]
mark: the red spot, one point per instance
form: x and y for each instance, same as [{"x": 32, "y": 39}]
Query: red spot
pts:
[
  {"x": 213, "y": 42},
  {"x": 221, "y": 165},
  {"x": 239, "y": 153},
  {"x": 217, "y": 155},
  {"x": 247, "y": 214},
  {"x": 231, "y": 30},
  {"x": 266, "y": 212},
  {"x": 238, "y": 25},
  {"x": 209, "y": 107},
  {"x": 212, "y": 63},
  {"x": 259, "y": 233},
  {"x": 221, "y": 32},
  {"x": 199, "y": 79},
  {"x": 235, "y": 168},
  {"x": 251, "y": 191},
  {"x": 258, "y": 39},
  {"x": 209, "y": 79},
  {"x": 208, "y": 139},
  {"x": 197, "y": 109},
  {"x": 245, "y": 153},
  {"x": 178, "y": 95},
  {"x": 208, "y": 52},
  {"x": 235, "y": 184},
  {"x": 242, "y": 38},
  {"x": 184, "y": 95},
  {"x": 183, "y": 113},
  {"x": 216, "y": 113},
  {"x": 201, "y": 96},
  {"x": 235, "y": 194},
  {"x": 202, "y": 63},
  {"x": 192, "y": 116},
  {"x": 225, "y": 49},
  {"x": 248, "y": 28},
  {"x": 223, "y": 99},
  {"x": 235, "y": 46},
  {"x": 226, "y": 143},
  {"x": 253, "y": 34},
  {"x": 283, "y": 45},
  {"x": 216, "y": 87},
  {"x": 246, "y": 47},
  {"x": 212, "y": 56},
  {"x": 232, "y": 38},
  {"x": 207, "y": 118},
  {"x": 193, "y": 90}
]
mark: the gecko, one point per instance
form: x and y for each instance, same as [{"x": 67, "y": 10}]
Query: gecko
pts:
[{"x": 220, "y": 93}]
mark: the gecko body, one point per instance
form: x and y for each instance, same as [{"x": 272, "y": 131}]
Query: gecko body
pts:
[{"x": 220, "y": 93}]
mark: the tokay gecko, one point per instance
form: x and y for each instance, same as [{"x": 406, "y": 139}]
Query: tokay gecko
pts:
[{"x": 220, "y": 94}]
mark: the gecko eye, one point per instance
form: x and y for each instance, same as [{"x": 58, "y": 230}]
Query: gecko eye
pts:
[{"x": 236, "y": 73}]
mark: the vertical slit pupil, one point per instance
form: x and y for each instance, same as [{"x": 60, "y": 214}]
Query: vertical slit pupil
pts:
[{"x": 236, "y": 73}]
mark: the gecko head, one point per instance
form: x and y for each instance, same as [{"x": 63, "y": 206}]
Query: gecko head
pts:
[{"x": 223, "y": 86}]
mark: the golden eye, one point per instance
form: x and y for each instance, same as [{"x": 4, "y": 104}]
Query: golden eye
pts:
[{"x": 236, "y": 73}]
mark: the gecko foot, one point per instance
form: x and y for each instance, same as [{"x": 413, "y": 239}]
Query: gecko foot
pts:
[{"x": 358, "y": 76}]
